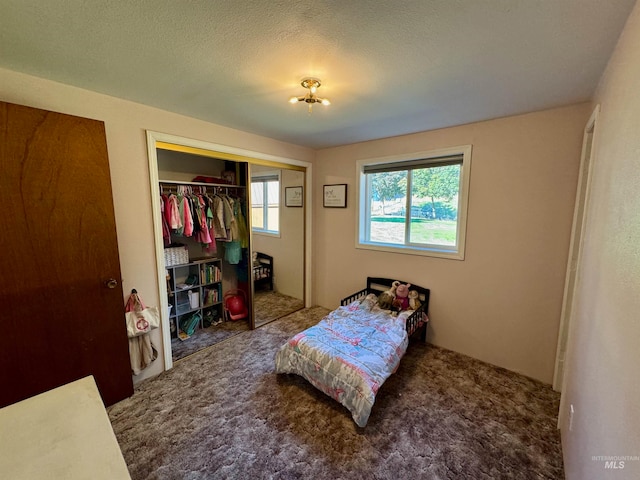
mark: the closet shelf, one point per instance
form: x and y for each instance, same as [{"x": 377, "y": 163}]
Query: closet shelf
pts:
[
  {"x": 199, "y": 303},
  {"x": 199, "y": 184}
]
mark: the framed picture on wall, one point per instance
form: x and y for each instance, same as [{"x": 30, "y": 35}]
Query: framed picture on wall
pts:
[
  {"x": 293, "y": 196},
  {"x": 334, "y": 196}
]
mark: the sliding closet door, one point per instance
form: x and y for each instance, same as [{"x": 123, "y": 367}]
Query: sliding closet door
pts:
[{"x": 61, "y": 302}]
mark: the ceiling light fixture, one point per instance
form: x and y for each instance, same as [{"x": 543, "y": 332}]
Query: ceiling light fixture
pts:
[{"x": 312, "y": 84}]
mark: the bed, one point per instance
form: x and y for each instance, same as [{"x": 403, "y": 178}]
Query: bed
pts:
[
  {"x": 263, "y": 270},
  {"x": 350, "y": 353}
]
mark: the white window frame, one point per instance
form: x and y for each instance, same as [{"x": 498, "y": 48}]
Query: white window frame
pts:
[
  {"x": 456, "y": 252},
  {"x": 265, "y": 176}
]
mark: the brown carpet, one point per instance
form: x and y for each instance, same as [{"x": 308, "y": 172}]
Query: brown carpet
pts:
[
  {"x": 272, "y": 305},
  {"x": 224, "y": 414},
  {"x": 205, "y": 337},
  {"x": 269, "y": 306}
]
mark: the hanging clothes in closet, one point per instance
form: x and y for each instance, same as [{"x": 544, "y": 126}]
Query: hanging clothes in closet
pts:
[{"x": 192, "y": 211}]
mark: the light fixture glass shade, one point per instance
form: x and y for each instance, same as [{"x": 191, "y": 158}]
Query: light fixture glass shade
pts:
[{"x": 310, "y": 98}]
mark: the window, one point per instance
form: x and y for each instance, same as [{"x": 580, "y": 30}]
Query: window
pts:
[
  {"x": 265, "y": 204},
  {"x": 415, "y": 204}
]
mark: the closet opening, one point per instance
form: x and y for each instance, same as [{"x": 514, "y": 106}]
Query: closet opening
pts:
[
  {"x": 206, "y": 240},
  {"x": 217, "y": 275}
]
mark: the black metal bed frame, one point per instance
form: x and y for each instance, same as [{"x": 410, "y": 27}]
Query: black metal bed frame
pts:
[
  {"x": 265, "y": 267},
  {"x": 377, "y": 285}
]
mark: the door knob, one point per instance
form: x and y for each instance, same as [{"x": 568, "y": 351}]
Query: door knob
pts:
[{"x": 111, "y": 283}]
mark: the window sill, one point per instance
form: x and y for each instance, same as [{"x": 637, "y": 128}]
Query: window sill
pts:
[
  {"x": 266, "y": 233},
  {"x": 412, "y": 250}
]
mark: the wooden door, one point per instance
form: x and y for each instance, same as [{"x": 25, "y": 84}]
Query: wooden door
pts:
[{"x": 60, "y": 321}]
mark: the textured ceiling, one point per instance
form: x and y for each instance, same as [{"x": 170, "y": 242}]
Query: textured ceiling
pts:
[{"x": 389, "y": 68}]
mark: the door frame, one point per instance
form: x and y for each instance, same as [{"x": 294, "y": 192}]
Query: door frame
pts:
[
  {"x": 572, "y": 277},
  {"x": 225, "y": 152}
]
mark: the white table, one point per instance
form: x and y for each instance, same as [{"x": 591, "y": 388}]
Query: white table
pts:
[{"x": 64, "y": 433}]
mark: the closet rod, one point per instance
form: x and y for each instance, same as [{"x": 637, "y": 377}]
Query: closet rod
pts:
[{"x": 169, "y": 183}]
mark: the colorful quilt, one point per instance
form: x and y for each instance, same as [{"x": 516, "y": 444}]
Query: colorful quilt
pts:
[{"x": 348, "y": 355}]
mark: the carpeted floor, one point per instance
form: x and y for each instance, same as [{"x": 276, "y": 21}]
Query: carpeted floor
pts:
[
  {"x": 224, "y": 414},
  {"x": 270, "y": 305},
  {"x": 205, "y": 337}
]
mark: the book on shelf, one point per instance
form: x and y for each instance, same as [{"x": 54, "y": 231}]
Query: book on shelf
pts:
[
  {"x": 210, "y": 274},
  {"x": 211, "y": 296}
]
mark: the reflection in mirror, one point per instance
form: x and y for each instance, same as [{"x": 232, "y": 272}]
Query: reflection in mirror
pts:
[{"x": 277, "y": 242}]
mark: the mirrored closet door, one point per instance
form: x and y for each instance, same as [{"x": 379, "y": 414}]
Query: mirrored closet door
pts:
[{"x": 277, "y": 246}]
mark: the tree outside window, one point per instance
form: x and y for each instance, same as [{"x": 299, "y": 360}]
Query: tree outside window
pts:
[{"x": 415, "y": 204}]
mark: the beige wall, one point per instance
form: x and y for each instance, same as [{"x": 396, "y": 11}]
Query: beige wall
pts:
[
  {"x": 125, "y": 124},
  {"x": 502, "y": 303},
  {"x": 604, "y": 343}
]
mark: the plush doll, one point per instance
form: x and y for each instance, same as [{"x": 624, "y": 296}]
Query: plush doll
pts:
[
  {"x": 402, "y": 297},
  {"x": 414, "y": 301},
  {"x": 369, "y": 302},
  {"x": 386, "y": 298}
]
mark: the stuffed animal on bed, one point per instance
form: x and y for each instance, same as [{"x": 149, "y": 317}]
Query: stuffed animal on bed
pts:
[
  {"x": 386, "y": 298},
  {"x": 369, "y": 302},
  {"x": 402, "y": 297},
  {"x": 414, "y": 301}
]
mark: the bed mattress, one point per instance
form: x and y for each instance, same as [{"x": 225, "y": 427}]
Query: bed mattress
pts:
[{"x": 348, "y": 355}]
